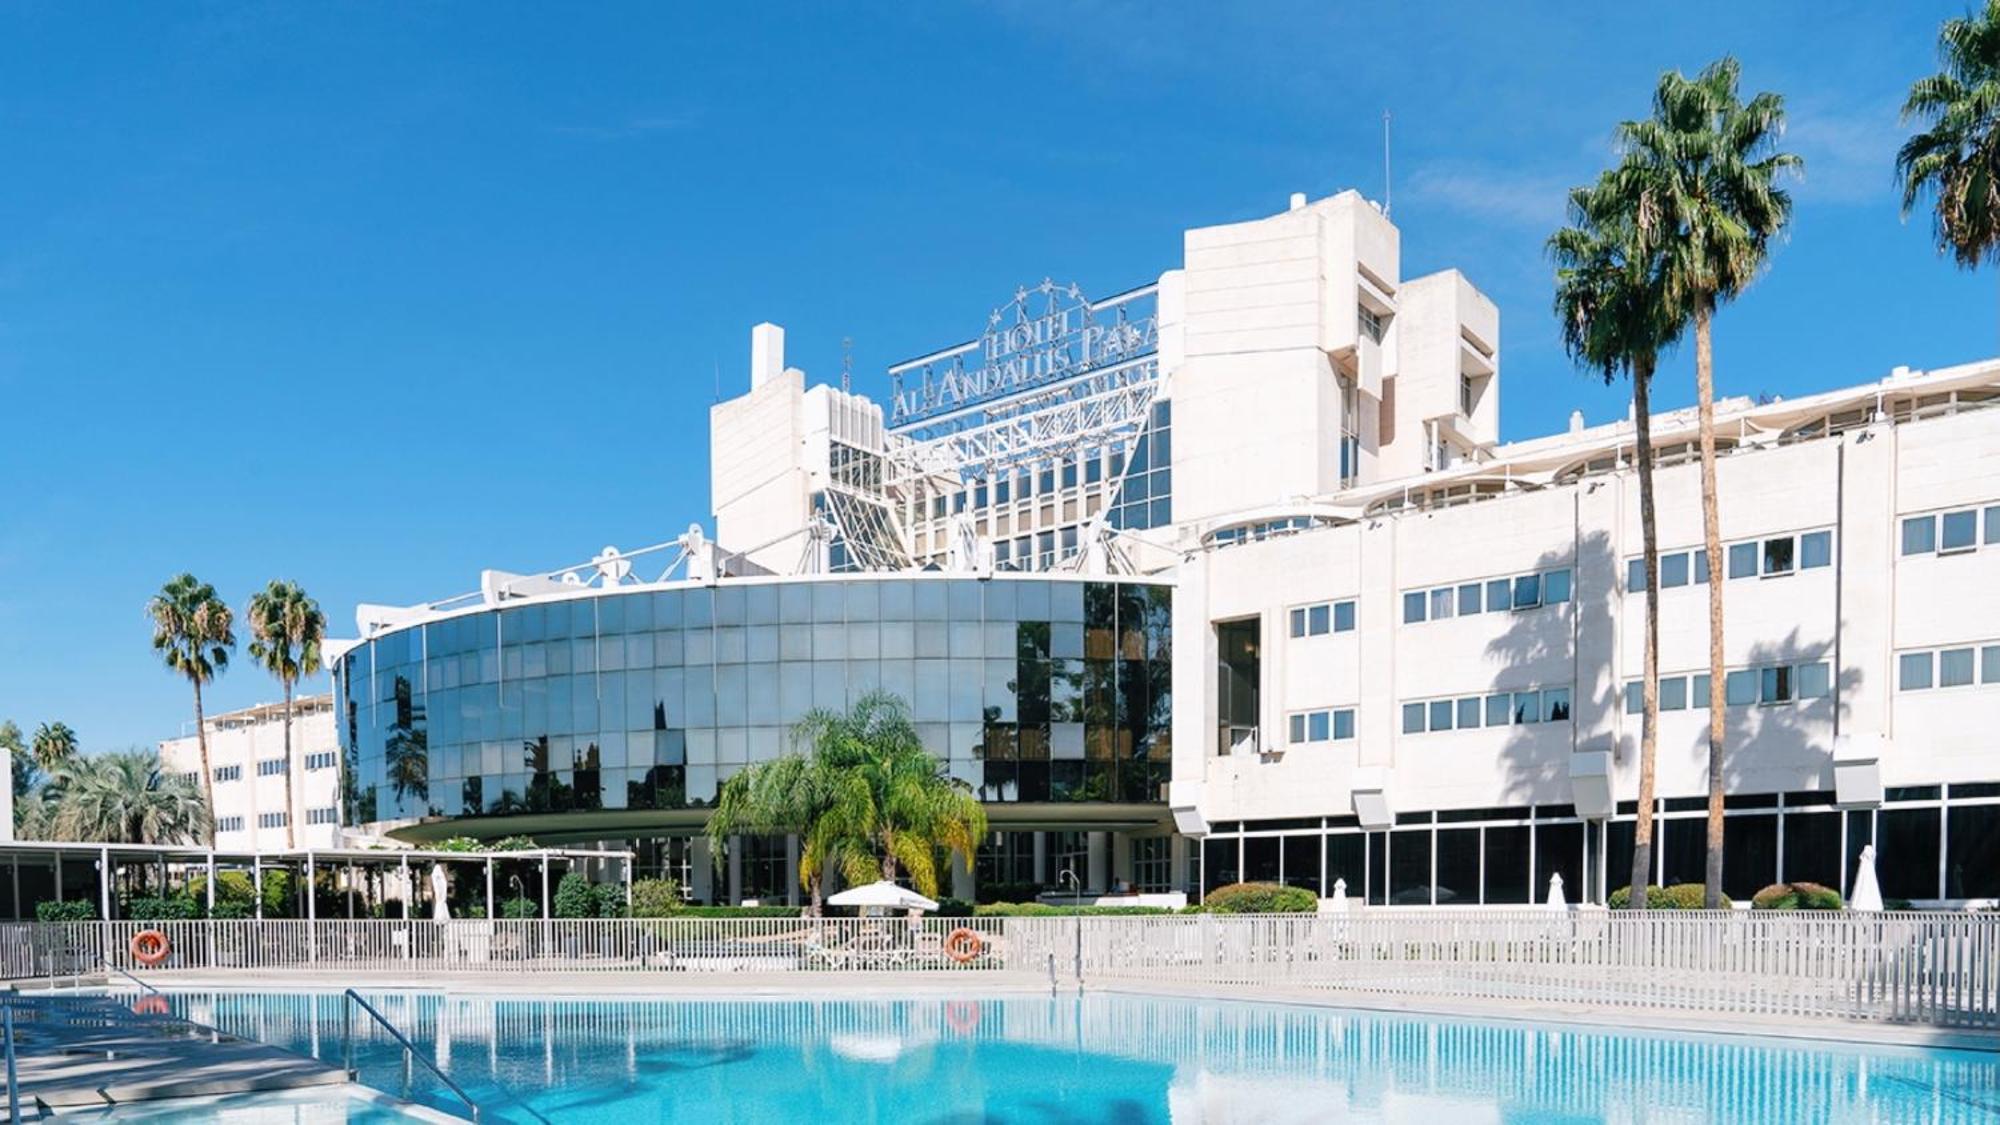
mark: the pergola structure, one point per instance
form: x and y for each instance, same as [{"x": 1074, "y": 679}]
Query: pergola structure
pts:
[{"x": 36, "y": 856}]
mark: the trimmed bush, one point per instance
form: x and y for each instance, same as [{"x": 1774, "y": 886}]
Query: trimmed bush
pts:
[
  {"x": 954, "y": 908},
  {"x": 742, "y": 912},
  {"x": 1007, "y": 892},
  {"x": 1046, "y": 910},
  {"x": 1678, "y": 896},
  {"x": 1796, "y": 896},
  {"x": 575, "y": 897},
  {"x": 1260, "y": 898},
  {"x": 74, "y": 910},
  {"x": 230, "y": 910},
  {"x": 657, "y": 898},
  {"x": 154, "y": 908},
  {"x": 520, "y": 908}
]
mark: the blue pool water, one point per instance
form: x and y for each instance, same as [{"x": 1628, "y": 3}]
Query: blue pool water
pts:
[{"x": 1112, "y": 1059}]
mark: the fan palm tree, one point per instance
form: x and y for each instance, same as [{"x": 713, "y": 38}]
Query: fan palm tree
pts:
[
  {"x": 193, "y": 633},
  {"x": 1708, "y": 161},
  {"x": 25, "y": 775},
  {"x": 1612, "y": 313},
  {"x": 1956, "y": 157},
  {"x": 126, "y": 797},
  {"x": 54, "y": 744},
  {"x": 286, "y": 628}
]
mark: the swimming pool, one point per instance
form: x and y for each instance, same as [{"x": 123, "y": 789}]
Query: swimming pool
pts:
[{"x": 1132, "y": 1060}]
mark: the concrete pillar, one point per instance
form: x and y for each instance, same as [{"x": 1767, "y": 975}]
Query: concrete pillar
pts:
[
  {"x": 701, "y": 869},
  {"x": 792, "y": 870},
  {"x": 491, "y": 906},
  {"x": 736, "y": 871},
  {"x": 1097, "y": 877},
  {"x": 1042, "y": 873},
  {"x": 1177, "y": 862},
  {"x": 961, "y": 878},
  {"x": 1121, "y": 858},
  {"x": 104, "y": 882}
]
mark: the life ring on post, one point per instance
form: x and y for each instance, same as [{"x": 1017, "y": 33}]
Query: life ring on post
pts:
[
  {"x": 149, "y": 947},
  {"x": 962, "y": 945},
  {"x": 962, "y": 1016},
  {"x": 151, "y": 1004}
]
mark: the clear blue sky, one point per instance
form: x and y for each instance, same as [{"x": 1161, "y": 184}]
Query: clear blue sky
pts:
[{"x": 371, "y": 297}]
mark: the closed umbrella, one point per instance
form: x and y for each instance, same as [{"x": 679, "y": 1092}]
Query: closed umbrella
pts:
[
  {"x": 1867, "y": 892},
  {"x": 884, "y": 895},
  {"x": 1556, "y": 898},
  {"x": 440, "y": 894}
]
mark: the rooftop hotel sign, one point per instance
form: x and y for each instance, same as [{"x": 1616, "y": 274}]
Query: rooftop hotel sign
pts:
[{"x": 1045, "y": 335}]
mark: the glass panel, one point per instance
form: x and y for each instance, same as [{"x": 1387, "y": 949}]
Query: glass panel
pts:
[
  {"x": 1316, "y": 620},
  {"x": 1499, "y": 595},
  {"x": 1343, "y": 725},
  {"x": 1813, "y": 681},
  {"x": 1555, "y": 587},
  {"x": 1635, "y": 575},
  {"x": 1743, "y": 560},
  {"x": 1527, "y": 706},
  {"x": 1740, "y": 688},
  {"x": 1961, "y": 531},
  {"x": 1749, "y": 855},
  {"x": 1298, "y": 728},
  {"x": 1316, "y": 724},
  {"x": 1298, "y": 623},
  {"x": 1527, "y": 591},
  {"x": 1635, "y": 698},
  {"x": 1972, "y": 852},
  {"x": 1913, "y": 671},
  {"x": 1346, "y": 854},
  {"x": 1441, "y": 603},
  {"x": 1815, "y": 550},
  {"x": 1701, "y": 566},
  {"x": 1499, "y": 709},
  {"x": 1410, "y": 868},
  {"x": 1343, "y": 617},
  {"x": 1302, "y": 860},
  {"x": 1555, "y": 705},
  {"x": 1954, "y": 667},
  {"x": 1993, "y": 524},
  {"x": 1469, "y": 598},
  {"x": 1775, "y": 685},
  {"x": 1989, "y": 664},
  {"x": 1441, "y": 714},
  {"x": 1812, "y": 848},
  {"x": 1413, "y": 718},
  {"x": 1458, "y": 866},
  {"x": 1909, "y": 852},
  {"x": 1507, "y": 866},
  {"x": 1673, "y": 693},
  {"x": 1673, "y": 570},
  {"x": 1468, "y": 712},
  {"x": 1778, "y": 555},
  {"x": 1413, "y": 607},
  {"x": 1919, "y": 535}
]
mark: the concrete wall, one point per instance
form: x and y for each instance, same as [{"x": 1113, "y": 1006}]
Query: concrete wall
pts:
[{"x": 231, "y": 744}]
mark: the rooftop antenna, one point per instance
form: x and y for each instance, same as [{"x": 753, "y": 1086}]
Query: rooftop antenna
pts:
[
  {"x": 718, "y": 378},
  {"x": 1387, "y": 195},
  {"x": 846, "y": 365}
]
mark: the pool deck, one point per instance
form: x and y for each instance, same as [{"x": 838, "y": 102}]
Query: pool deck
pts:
[
  {"x": 76, "y": 1052},
  {"x": 949, "y": 985}
]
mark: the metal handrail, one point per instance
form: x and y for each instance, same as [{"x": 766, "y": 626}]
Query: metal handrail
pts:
[
  {"x": 127, "y": 974},
  {"x": 13, "y": 1077},
  {"x": 409, "y": 1049}
]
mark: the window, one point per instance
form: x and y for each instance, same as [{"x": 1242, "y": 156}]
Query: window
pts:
[
  {"x": 1993, "y": 524},
  {"x": 1497, "y": 595},
  {"x": 1960, "y": 532},
  {"x": 1740, "y": 689},
  {"x": 1527, "y": 707},
  {"x": 1674, "y": 570},
  {"x": 1468, "y": 712},
  {"x": 1528, "y": 591},
  {"x": 1815, "y": 550},
  {"x": 1318, "y": 620},
  {"x": 1954, "y": 667},
  {"x": 1498, "y": 709},
  {"x": 1635, "y": 697},
  {"x": 1297, "y": 727},
  {"x": 1701, "y": 567},
  {"x": 229, "y": 824},
  {"x": 1989, "y": 664},
  {"x": 1673, "y": 694},
  {"x": 1555, "y": 587},
  {"x": 1813, "y": 681},
  {"x": 1343, "y": 724},
  {"x": 271, "y": 820},
  {"x": 1413, "y": 718},
  {"x": 1469, "y": 598},
  {"x": 1550, "y": 705},
  {"x": 1743, "y": 560},
  {"x": 270, "y": 767},
  {"x": 1317, "y": 726},
  {"x": 1441, "y": 714},
  {"x": 323, "y": 816},
  {"x": 228, "y": 773},
  {"x": 1369, "y": 322},
  {"x": 1779, "y": 556},
  {"x": 1441, "y": 603},
  {"x": 1635, "y": 574},
  {"x": 1343, "y": 617},
  {"x": 320, "y": 761},
  {"x": 1913, "y": 671},
  {"x": 1919, "y": 535},
  {"x": 1775, "y": 685},
  {"x": 1413, "y": 607},
  {"x": 1555, "y": 705}
]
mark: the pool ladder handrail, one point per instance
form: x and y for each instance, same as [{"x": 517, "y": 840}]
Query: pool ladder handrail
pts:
[
  {"x": 13, "y": 1077},
  {"x": 351, "y": 998}
]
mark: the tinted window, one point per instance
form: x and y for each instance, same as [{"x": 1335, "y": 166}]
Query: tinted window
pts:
[
  {"x": 1919, "y": 535},
  {"x": 1635, "y": 575},
  {"x": 1469, "y": 599},
  {"x": 1316, "y": 620},
  {"x": 1778, "y": 555},
  {"x": 1343, "y": 617},
  {"x": 1413, "y": 718},
  {"x": 1343, "y": 724},
  {"x": 1673, "y": 571},
  {"x": 1527, "y": 591},
  {"x": 1913, "y": 671},
  {"x": 1954, "y": 667},
  {"x": 1555, "y": 586},
  {"x": 1413, "y": 606},
  {"x": 1740, "y": 688},
  {"x": 1961, "y": 531},
  {"x": 1673, "y": 694},
  {"x": 1743, "y": 560},
  {"x": 1815, "y": 549}
]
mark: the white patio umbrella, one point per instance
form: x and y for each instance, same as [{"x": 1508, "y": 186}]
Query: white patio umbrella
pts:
[
  {"x": 1338, "y": 905},
  {"x": 882, "y": 894},
  {"x": 1867, "y": 892},
  {"x": 440, "y": 894},
  {"x": 1556, "y": 898}
]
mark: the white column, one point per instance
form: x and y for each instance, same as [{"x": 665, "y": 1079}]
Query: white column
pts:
[
  {"x": 545, "y": 886},
  {"x": 491, "y": 911},
  {"x": 257, "y": 884},
  {"x": 406, "y": 888},
  {"x": 1177, "y": 861},
  {"x": 211, "y": 883},
  {"x": 104, "y": 883},
  {"x": 1098, "y": 862}
]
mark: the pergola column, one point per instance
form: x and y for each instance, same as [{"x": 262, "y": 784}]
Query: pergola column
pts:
[
  {"x": 104, "y": 883},
  {"x": 211, "y": 882},
  {"x": 312, "y": 911},
  {"x": 490, "y": 904}
]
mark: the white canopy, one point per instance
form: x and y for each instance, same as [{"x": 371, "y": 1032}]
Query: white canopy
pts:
[
  {"x": 884, "y": 894},
  {"x": 1867, "y": 892}
]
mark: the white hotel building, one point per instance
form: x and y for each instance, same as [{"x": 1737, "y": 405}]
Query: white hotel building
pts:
[
  {"x": 1229, "y": 577},
  {"x": 246, "y": 752}
]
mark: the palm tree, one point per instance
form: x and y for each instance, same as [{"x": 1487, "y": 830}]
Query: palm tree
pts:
[
  {"x": 829, "y": 810},
  {"x": 1957, "y": 156},
  {"x": 913, "y": 807},
  {"x": 25, "y": 775},
  {"x": 192, "y": 633},
  {"x": 125, "y": 797},
  {"x": 286, "y": 628},
  {"x": 1612, "y": 315},
  {"x": 1707, "y": 161},
  {"x": 54, "y": 744}
]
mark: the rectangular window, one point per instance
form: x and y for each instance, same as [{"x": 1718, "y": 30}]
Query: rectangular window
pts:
[
  {"x": 271, "y": 820},
  {"x": 1343, "y": 617},
  {"x": 1913, "y": 671},
  {"x": 1954, "y": 667},
  {"x": 323, "y": 816},
  {"x": 1814, "y": 681},
  {"x": 1698, "y": 690},
  {"x": 1527, "y": 591},
  {"x": 1441, "y": 603},
  {"x": 1316, "y": 620},
  {"x": 1740, "y": 688},
  {"x": 1635, "y": 697},
  {"x": 1779, "y": 556},
  {"x": 1555, "y": 705},
  {"x": 228, "y": 773},
  {"x": 1919, "y": 535},
  {"x": 1774, "y": 685},
  {"x": 229, "y": 824},
  {"x": 1555, "y": 587},
  {"x": 1413, "y": 718},
  {"x": 1468, "y": 713},
  {"x": 1993, "y": 524},
  {"x": 1469, "y": 599},
  {"x": 1743, "y": 560},
  {"x": 1343, "y": 724},
  {"x": 1673, "y": 571},
  {"x": 1815, "y": 550},
  {"x": 1527, "y": 706},
  {"x": 1413, "y": 607},
  {"x": 1635, "y": 575},
  {"x": 1298, "y": 728},
  {"x": 1441, "y": 713},
  {"x": 1989, "y": 664},
  {"x": 1673, "y": 693},
  {"x": 1499, "y": 709},
  {"x": 270, "y": 767},
  {"x": 1298, "y": 623},
  {"x": 1961, "y": 532},
  {"x": 1316, "y": 726},
  {"x": 1701, "y": 567}
]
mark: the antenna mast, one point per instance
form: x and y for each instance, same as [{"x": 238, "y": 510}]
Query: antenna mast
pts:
[
  {"x": 1387, "y": 193},
  {"x": 847, "y": 365}
]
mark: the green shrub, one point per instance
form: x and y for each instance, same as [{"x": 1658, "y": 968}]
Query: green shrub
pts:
[
  {"x": 656, "y": 898},
  {"x": 1678, "y": 896},
  {"x": 575, "y": 897},
  {"x": 742, "y": 912},
  {"x": 1796, "y": 896},
  {"x": 230, "y": 886},
  {"x": 1007, "y": 892},
  {"x": 1048, "y": 910},
  {"x": 954, "y": 908},
  {"x": 1260, "y": 898},
  {"x": 520, "y": 907},
  {"x": 228, "y": 909},
  {"x": 156, "y": 908},
  {"x": 74, "y": 910}
]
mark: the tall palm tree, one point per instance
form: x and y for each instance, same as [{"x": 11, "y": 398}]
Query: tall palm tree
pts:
[
  {"x": 829, "y": 809},
  {"x": 126, "y": 797},
  {"x": 193, "y": 633},
  {"x": 1611, "y": 310},
  {"x": 1709, "y": 161},
  {"x": 286, "y": 628},
  {"x": 1957, "y": 155},
  {"x": 54, "y": 744}
]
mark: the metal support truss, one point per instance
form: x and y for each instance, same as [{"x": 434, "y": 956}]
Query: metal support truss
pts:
[{"x": 1107, "y": 407}]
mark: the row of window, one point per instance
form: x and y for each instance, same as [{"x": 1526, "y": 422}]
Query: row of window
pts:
[
  {"x": 1773, "y": 683},
  {"x": 1546, "y": 705},
  {"x": 1498, "y": 595},
  {"x": 270, "y": 767},
  {"x": 271, "y": 820},
  {"x": 1322, "y": 726},
  {"x": 1759, "y": 558},
  {"x": 322, "y": 760},
  {"x": 1948, "y": 667},
  {"x": 229, "y": 824},
  {"x": 228, "y": 773},
  {"x": 1326, "y": 617},
  {"x": 328, "y": 815},
  {"x": 1947, "y": 533}
]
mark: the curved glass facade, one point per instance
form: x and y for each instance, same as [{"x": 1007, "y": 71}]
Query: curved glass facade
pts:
[{"x": 1033, "y": 689}]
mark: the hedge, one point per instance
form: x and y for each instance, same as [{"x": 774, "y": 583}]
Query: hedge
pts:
[
  {"x": 742, "y": 912},
  {"x": 657, "y": 898},
  {"x": 73, "y": 910},
  {"x": 154, "y": 908},
  {"x": 1260, "y": 898},
  {"x": 1047, "y": 910},
  {"x": 1679, "y": 896},
  {"x": 1796, "y": 896}
]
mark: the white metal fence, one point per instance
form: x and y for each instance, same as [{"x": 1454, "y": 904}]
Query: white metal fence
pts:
[{"x": 1932, "y": 968}]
